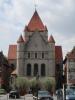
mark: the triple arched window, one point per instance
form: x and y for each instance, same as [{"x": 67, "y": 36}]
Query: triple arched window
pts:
[{"x": 36, "y": 69}]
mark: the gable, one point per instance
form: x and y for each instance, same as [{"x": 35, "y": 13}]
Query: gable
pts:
[
  {"x": 36, "y": 43},
  {"x": 36, "y": 23}
]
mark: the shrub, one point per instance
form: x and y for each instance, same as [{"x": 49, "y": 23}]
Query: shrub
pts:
[
  {"x": 22, "y": 85},
  {"x": 49, "y": 84}
]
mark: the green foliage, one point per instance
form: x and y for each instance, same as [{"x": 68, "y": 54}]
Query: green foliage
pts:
[
  {"x": 22, "y": 84},
  {"x": 33, "y": 85},
  {"x": 49, "y": 84}
]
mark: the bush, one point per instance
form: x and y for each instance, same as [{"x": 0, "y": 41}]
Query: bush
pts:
[
  {"x": 22, "y": 85},
  {"x": 49, "y": 84},
  {"x": 34, "y": 85}
]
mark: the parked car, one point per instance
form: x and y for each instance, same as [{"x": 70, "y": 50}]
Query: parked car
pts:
[
  {"x": 2, "y": 91},
  {"x": 14, "y": 94},
  {"x": 70, "y": 94},
  {"x": 43, "y": 95}
]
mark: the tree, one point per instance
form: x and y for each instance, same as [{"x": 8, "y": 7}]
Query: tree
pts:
[
  {"x": 22, "y": 85},
  {"x": 35, "y": 84},
  {"x": 49, "y": 84}
]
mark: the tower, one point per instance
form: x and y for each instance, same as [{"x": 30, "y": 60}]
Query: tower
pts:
[
  {"x": 20, "y": 55},
  {"x": 52, "y": 54}
]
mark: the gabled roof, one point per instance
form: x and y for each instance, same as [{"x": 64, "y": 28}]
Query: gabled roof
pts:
[
  {"x": 51, "y": 39},
  {"x": 58, "y": 53},
  {"x": 35, "y": 23},
  {"x": 12, "y": 52},
  {"x": 20, "y": 40},
  {"x": 71, "y": 55}
]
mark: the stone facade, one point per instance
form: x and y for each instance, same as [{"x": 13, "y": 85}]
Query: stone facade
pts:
[{"x": 37, "y": 52}]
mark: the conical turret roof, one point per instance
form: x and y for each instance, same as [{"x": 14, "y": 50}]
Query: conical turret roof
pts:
[
  {"x": 20, "y": 40},
  {"x": 36, "y": 23},
  {"x": 51, "y": 39}
]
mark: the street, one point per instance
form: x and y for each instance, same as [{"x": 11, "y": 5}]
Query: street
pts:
[{"x": 26, "y": 97}]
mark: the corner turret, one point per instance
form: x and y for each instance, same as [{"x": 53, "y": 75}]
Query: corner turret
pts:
[{"x": 20, "y": 55}]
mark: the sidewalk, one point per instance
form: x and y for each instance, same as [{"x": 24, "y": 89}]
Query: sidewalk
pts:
[{"x": 54, "y": 97}]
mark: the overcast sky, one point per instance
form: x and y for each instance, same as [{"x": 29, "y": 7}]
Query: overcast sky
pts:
[{"x": 57, "y": 15}]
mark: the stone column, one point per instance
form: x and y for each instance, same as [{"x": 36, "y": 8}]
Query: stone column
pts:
[
  {"x": 32, "y": 70},
  {"x": 39, "y": 69}
]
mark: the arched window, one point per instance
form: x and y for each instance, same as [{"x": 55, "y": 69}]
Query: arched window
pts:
[
  {"x": 28, "y": 69},
  {"x": 42, "y": 69},
  {"x": 35, "y": 69}
]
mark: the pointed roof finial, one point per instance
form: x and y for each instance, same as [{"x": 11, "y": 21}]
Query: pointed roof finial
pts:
[{"x": 35, "y": 4}]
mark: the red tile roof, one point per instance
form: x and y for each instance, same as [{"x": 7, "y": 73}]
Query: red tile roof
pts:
[
  {"x": 12, "y": 52},
  {"x": 51, "y": 39},
  {"x": 35, "y": 23},
  {"x": 20, "y": 39},
  {"x": 58, "y": 53}
]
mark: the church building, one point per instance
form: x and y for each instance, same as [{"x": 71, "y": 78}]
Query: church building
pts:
[{"x": 35, "y": 53}]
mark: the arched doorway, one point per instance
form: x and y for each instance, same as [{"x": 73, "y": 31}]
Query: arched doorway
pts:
[
  {"x": 28, "y": 69},
  {"x": 42, "y": 69},
  {"x": 35, "y": 69}
]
